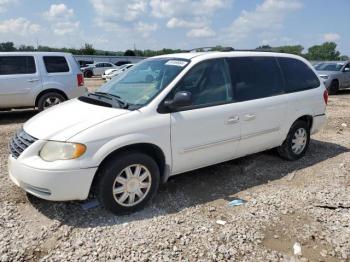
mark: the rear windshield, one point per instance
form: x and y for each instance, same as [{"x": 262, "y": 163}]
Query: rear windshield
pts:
[
  {"x": 56, "y": 64},
  {"x": 12, "y": 65}
]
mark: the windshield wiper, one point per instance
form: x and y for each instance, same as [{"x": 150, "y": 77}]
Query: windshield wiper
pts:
[{"x": 121, "y": 103}]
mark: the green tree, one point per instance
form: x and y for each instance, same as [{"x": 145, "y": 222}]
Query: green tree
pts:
[
  {"x": 7, "y": 47},
  {"x": 129, "y": 53},
  {"x": 26, "y": 48},
  {"x": 326, "y": 51},
  {"x": 88, "y": 49},
  {"x": 290, "y": 49}
]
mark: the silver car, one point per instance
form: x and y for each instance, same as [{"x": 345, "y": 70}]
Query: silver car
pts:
[
  {"x": 38, "y": 79},
  {"x": 336, "y": 75}
]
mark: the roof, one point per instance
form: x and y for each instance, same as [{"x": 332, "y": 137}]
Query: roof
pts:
[
  {"x": 33, "y": 53},
  {"x": 218, "y": 54}
]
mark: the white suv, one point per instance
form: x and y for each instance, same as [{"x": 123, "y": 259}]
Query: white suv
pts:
[
  {"x": 165, "y": 116},
  {"x": 38, "y": 79}
]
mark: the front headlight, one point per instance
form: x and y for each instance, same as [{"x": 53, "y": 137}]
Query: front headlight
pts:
[{"x": 52, "y": 151}]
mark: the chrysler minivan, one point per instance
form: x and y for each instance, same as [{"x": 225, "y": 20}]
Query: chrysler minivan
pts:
[
  {"x": 165, "y": 116},
  {"x": 38, "y": 79}
]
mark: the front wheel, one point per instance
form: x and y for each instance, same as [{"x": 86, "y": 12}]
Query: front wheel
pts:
[
  {"x": 297, "y": 141},
  {"x": 127, "y": 182}
]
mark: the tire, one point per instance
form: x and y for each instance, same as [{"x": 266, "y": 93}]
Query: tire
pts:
[
  {"x": 334, "y": 87},
  {"x": 286, "y": 150},
  {"x": 88, "y": 74},
  {"x": 55, "y": 98},
  {"x": 113, "y": 173}
]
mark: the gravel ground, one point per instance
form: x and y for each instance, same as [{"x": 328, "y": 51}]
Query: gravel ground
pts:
[{"x": 305, "y": 202}]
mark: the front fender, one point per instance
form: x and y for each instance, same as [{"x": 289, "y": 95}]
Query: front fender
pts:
[{"x": 98, "y": 153}]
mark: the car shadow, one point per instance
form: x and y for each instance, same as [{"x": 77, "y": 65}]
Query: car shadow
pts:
[
  {"x": 220, "y": 181},
  {"x": 343, "y": 92},
  {"x": 16, "y": 116}
]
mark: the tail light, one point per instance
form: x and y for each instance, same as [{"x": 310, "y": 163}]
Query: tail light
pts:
[
  {"x": 325, "y": 96},
  {"x": 80, "y": 80}
]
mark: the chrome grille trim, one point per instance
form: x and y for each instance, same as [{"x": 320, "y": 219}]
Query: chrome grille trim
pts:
[{"x": 20, "y": 142}]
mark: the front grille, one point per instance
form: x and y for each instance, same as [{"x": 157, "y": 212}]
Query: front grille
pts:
[{"x": 19, "y": 142}]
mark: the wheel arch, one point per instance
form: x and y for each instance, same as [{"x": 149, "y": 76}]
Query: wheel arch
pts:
[
  {"x": 147, "y": 148},
  {"x": 306, "y": 118},
  {"x": 49, "y": 90}
]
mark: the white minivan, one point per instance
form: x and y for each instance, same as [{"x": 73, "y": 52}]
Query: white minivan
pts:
[
  {"x": 165, "y": 116},
  {"x": 38, "y": 79}
]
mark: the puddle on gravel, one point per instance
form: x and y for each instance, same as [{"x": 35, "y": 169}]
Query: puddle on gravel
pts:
[{"x": 282, "y": 236}]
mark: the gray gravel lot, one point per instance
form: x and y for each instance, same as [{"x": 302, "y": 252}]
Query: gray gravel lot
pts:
[{"x": 307, "y": 201}]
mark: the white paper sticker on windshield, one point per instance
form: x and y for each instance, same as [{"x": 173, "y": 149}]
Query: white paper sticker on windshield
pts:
[{"x": 176, "y": 63}]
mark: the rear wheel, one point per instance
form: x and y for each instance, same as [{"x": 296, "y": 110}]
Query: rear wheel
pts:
[
  {"x": 50, "y": 99},
  {"x": 127, "y": 182},
  {"x": 297, "y": 141},
  {"x": 334, "y": 87},
  {"x": 88, "y": 73}
]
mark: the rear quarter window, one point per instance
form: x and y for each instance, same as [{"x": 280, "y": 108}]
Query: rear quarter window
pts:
[
  {"x": 298, "y": 76},
  {"x": 13, "y": 65},
  {"x": 56, "y": 64}
]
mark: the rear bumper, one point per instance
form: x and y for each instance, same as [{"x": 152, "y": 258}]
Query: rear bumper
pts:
[
  {"x": 318, "y": 123},
  {"x": 56, "y": 185}
]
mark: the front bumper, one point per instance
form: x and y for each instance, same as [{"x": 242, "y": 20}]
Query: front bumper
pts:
[{"x": 55, "y": 185}]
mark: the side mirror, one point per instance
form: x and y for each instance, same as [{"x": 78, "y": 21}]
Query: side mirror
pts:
[
  {"x": 181, "y": 99},
  {"x": 347, "y": 69}
]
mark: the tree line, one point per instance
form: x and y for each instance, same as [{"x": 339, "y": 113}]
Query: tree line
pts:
[{"x": 322, "y": 52}]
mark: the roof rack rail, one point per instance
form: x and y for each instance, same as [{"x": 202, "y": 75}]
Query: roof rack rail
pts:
[{"x": 211, "y": 48}]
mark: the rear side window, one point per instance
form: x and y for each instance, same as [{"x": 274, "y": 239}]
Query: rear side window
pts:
[
  {"x": 13, "y": 65},
  {"x": 298, "y": 76},
  {"x": 56, "y": 64},
  {"x": 255, "y": 77}
]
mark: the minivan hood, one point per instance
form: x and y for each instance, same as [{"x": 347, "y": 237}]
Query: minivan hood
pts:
[{"x": 63, "y": 121}]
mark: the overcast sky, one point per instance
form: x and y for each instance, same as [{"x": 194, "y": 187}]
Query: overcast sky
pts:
[{"x": 154, "y": 24}]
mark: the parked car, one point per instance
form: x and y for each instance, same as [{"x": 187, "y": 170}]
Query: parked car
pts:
[
  {"x": 97, "y": 69},
  {"x": 117, "y": 72},
  {"x": 168, "y": 115},
  {"x": 38, "y": 79},
  {"x": 336, "y": 75},
  {"x": 122, "y": 62},
  {"x": 110, "y": 71},
  {"x": 85, "y": 63}
]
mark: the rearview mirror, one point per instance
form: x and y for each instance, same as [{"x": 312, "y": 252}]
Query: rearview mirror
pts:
[{"x": 181, "y": 99}]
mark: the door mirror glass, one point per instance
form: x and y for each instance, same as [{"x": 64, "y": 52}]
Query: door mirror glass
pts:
[
  {"x": 181, "y": 99},
  {"x": 347, "y": 69}
]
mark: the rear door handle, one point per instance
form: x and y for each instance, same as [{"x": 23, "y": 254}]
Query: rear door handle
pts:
[
  {"x": 33, "y": 80},
  {"x": 249, "y": 117},
  {"x": 232, "y": 120}
]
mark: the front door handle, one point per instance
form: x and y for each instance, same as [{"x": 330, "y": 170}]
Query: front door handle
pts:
[
  {"x": 232, "y": 120},
  {"x": 249, "y": 117},
  {"x": 33, "y": 80}
]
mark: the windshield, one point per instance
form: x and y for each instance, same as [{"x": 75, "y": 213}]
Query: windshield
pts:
[
  {"x": 329, "y": 66},
  {"x": 141, "y": 83}
]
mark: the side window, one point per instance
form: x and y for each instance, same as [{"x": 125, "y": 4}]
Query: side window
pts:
[
  {"x": 255, "y": 77},
  {"x": 298, "y": 76},
  {"x": 347, "y": 68},
  {"x": 208, "y": 82},
  {"x": 56, "y": 64},
  {"x": 13, "y": 65}
]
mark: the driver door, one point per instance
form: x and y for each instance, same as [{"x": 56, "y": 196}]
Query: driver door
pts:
[{"x": 208, "y": 131}]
